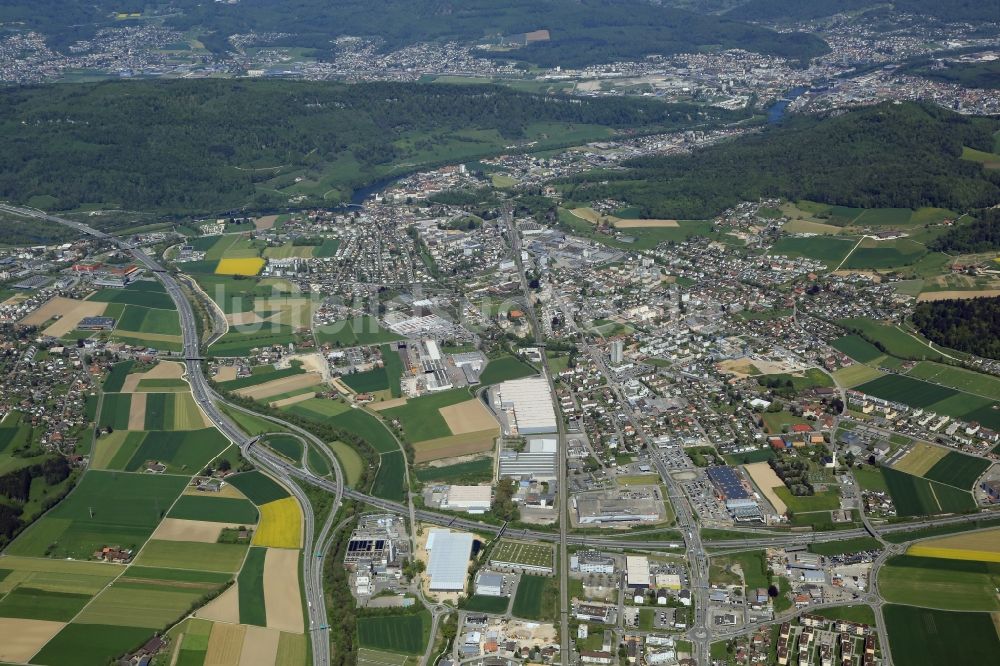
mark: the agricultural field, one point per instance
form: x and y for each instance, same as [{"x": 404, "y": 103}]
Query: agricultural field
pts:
[
  {"x": 185, "y": 452},
  {"x": 407, "y": 634},
  {"x": 280, "y": 524},
  {"x": 80, "y": 644},
  {"x": 287, "y": 445},
  {"x": 857, "y": 348},
  {"x": 956, "y": 378},
  {"x": 915, "y": 496},
  {"x": 505, "y": 368},
  {"x": 948, "y": 584},
  {"x": 362, "y": 424},
  {"x": 943, "y": 637},
  {"x": 252, "y": 608},
  {"x": 390, "y": 481},
  {"x": 105, "y": 508},
  {"x": 486, "y": 604},
  {"x": 420, "y": 417},
  {"x": 204, "y": 506},
  {"x": 257, "y": 487},
  {"x": 830, "y": 251},
  {"x": 982, "y": 546},
  {"x": 350, "y": 462},
  {"x": 537, "y": 598},
  {"x": 885, "y": 254},
  {"x": 896, "y": 341},
  {"x": 860, "y": 613},
  {"x": 248, "y": 266},
  {"x": 144, "y": 293},
  {"x": 364, "y": 330},
  {"x": 194, "y": 555},
  {"x": 528, "y": 554},
  {"x": 957, "y": 469},
  {"x": 261, "y": 374},
  {"x": 824, "y": 501},
  {"x": 472, "y": 471},
  {"x": 479, "y": 441},
  {"x": 856, "y": 374},
  {"x": 149, "y": 604},
  {"x": 934, "y": 397},
  {"x": 846, "y": 546},
  {"x": 317, "y": 409}
]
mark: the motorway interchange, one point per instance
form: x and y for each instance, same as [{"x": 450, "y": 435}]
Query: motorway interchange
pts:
[{"x": 317, "y": 538}]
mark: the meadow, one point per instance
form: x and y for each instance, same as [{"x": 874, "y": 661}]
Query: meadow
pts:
[
  {"x": 956, "y": 378},
  {"x": 396, "y": 633},
  {"x": 354, "y": 332},
  {"x": 106, "y": 508},
  {"x": 884, "y": 255},
  {"x": 857, "y": 348},
  {"x": 504, "y": 368},
  {"x": 219, "y": 557},
  {"x": 350, "y": 462},
  {"x": 214, "y": 509},
  {"x": 830, "y": 251},
  {"x": 536, "y": 598},
  {"x": 957, "y": 469},
  {"x": 287, "y": 445},
  {"x": 472, "y": 471},
  {"x": 894, "y": 340},
  {"x": 860, "y": 613},
  {"x": 948, "y": 584},
  {"x": 251, "y": 589},
  {"x": 368, "y": 428},
  {"x": 485, "y": 604},
  {"x": 420, "y": 418},
  {"x": 927, "y": 637},
  {"x": 390, "y": 482},
  {"x": 258, "y": 488}
]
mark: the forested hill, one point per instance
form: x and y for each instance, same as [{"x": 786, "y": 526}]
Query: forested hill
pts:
[
  {"x": 582, "y": 31},
  {"x": 803, "y": 10},
  {"x": 182, "y": 146},
  {"x": 892, "y": 155}
]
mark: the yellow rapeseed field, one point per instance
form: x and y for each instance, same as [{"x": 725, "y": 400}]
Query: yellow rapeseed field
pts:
[
  {"x": 249, "y": 266},
  {"x": 280, "y": 524},
  {"x": 982, "y": 545}
]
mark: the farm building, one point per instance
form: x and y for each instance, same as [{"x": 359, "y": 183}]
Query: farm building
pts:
[
  {"x": 449, "y": 559},
  {"x": 527, "y": 404}
]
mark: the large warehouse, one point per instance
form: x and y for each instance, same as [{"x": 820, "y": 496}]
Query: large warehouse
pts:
[
  {"x": 527, "y": 405},
  {"x": 449, "y": 559}
]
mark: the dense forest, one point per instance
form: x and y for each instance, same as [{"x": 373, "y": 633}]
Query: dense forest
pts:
[
  {"x": 582, "y": 31},
  {"x": 803, "y": 10},
  {"x": 967, "y": 74},
  {"x": 182, "y": 146},
  {"x": 969, "y": 325},
  {"x": 891, "y": 155},
  {"x": 980, "y": 235}
]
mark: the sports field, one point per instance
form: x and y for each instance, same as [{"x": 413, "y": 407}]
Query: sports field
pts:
[
  {"x": 926, "y": 637},
  {"x": 407, "y": 634},
  {"x": 519, "y": 552},
  {"x": 280, "y": 524}
]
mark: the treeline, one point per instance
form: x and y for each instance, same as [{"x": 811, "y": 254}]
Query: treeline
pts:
[
  {"x": 967, "y": 325},
  {"x": 890, "y": 155},
  {"x": 980, "y": 235},
  {"x": 797, "y": 10},
  {"x": 968, "y": 74},
  {"x": 15, "y": 491},
  {"x": 181, "y": 147}
]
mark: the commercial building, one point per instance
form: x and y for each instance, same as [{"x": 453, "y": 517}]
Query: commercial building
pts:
[
  {"x": 526, "y": 404},
  {"x": 599, "y": 508},
  {"x": 592, "y": 561},
  {"x": 489, "y": 583},
  {"x": 96, "y": 324},
  {"x": 637, "y": 571},
  {"x": 449, "y": 559},
  {"x": 728, "y": 483},
  {"x": 471, "y": 499}
]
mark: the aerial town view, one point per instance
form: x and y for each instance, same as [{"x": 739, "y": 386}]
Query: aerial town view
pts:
[{"x": 500, "y": 333}]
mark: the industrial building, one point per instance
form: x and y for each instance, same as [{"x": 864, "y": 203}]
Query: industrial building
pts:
[
  {"x": 449, "y": 559},
  {"x": 96, "y": 324},
  {"x": 728, "y": 483},
  {"x": 489, "y": 583},
  {"x": 635, "y": 505},
  {"x": 637, "y": 571},
  {"x": 592, "y": 561},
  {"x": 526, "y": 404},
  {"x": 471, "y": 499},
  {"x": 537, "y": 461}
]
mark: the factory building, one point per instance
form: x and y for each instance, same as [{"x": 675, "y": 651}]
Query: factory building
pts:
[
  {"x": 489, "y": 583},
  {"x": 637, "y": 571},
  {"x": 471, "y": 499},
  {"x": 449, "y": 559},
  {"x": 527, "y": 405},
  {"x": 537, "y": 461}
]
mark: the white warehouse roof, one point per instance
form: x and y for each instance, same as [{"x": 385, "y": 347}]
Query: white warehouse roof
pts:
[
  {"x": 449, "y": 560},
  {"x": 531, "y": 402}
]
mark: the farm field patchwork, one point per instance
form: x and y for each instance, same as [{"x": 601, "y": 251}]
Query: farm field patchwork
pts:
[
  {"x": 455, "y": 445},
  {"x": 281, "y": 589},
  {"x": 280, "y": 524},
  {"x": 220, "y": 557},
  {"x": 181, "y": 451},
  {"x": 983, "y": 546},
  {"x": 957, "y": 378},
  {"x": 204, "y": 506},
  {"x": 368, "y": 428},
  {"x": 947, "y": 584},
  {"x": 146, "y": 293},
  {"x": 421, "y": 418},
  {"x": 935, "y": 398},
  {"x": 830, "y": 251},
  {"x": 141, "y": 604},
  {"x": 258, "y": 487},
  {"x": 915, "y": 496}
]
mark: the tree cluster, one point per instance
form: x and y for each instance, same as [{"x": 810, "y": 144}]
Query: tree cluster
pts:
[{"x": 967, "y": 325}]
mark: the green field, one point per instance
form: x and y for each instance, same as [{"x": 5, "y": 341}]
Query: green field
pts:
[
  {"x": 407, "y": 634},
  {"x": 887, "y": 254},
  {"x": 258, "y": 488},
  {"x": 504, "y": 368},
  {"x": 146, "y": 293},
  {"x": 857, "y": 348},
  {"x": 143, "y": 604},
  {"x": 537, "y": 598},
  {"x": 317, "y": 409},
  {"x": 221, "y": 557},
  {"x": 925, "y": 637},
  {"x": 830, "y": 251},
  {"x": 90, "y": 644},
  {"x": 287, "y": 445},
  {"x": 935, "y": 398},
  {"x": 484, "y": 604},
  {"x": 914, "y": 496},
  {"x": 753, "y": 565},
  {"x": 251, "y": 589},
  {"x": 941, "y": 530},
  {"x": 947, "y": 584},
  {"x": 106, "y": 508},
  {"x": 390, "y": 482},
  {"x": 181, "y": 451},
  {"x": 956, "y": 378},
  {"x": 354, "y": 332},
  {"x": 236, "y": 343},
  {"x": 138, "y": 319},
  {"x": 161, "y": 575},
  {"x": 473, "y": 471},
  {"x": 420, "y": 417},
  {"x": 115, "y": 410},
  {"x": 369, "y": 381},
  {"x": 895, "y": 341},
  {"x": 264, "y": 375},
  {"x": 367, "y": 427},
  {"x": 350, "y": 461},
  {"x": 39, "y": 604},
  {"x": 824, "y": 501},
  {"x": 860, "y": 613},
  {"x": 957, "y": 469},
  {"x": 214, "y": 509},
  {"x": 116, "y": 378}
]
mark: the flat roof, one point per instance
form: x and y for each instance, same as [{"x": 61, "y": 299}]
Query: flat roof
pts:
[
  {"x": 449, "y": 560},
  {"x": 531, "y": 401}
]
